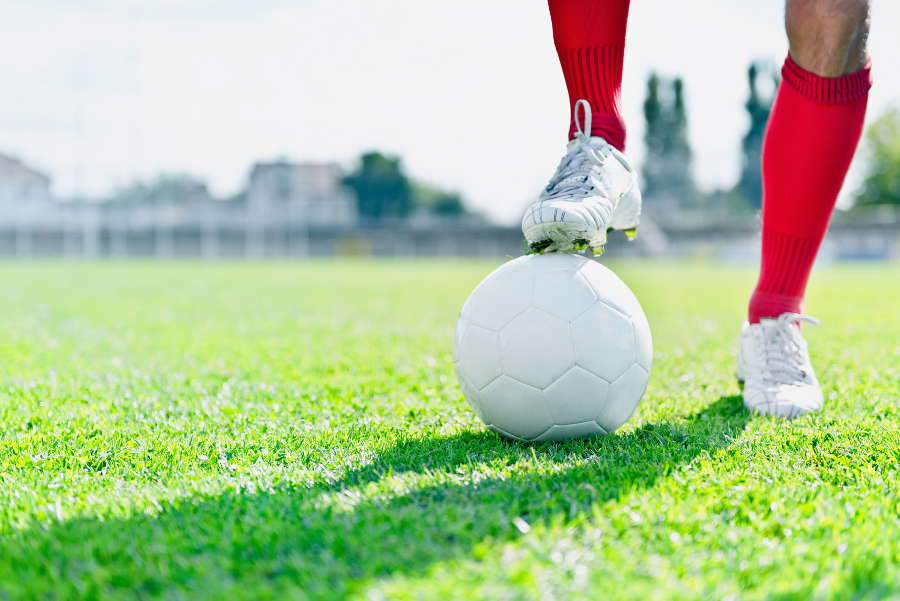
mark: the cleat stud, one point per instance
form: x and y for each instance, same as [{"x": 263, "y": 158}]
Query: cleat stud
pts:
[
  {"x": 540, "y": 246},
  {"x": 631, "y": 233}
]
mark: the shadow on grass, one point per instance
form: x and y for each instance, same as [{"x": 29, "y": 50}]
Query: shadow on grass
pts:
[{"x": 299, "y": 542}]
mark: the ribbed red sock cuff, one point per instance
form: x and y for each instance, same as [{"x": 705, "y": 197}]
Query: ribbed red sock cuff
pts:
[
  {"x": 609, "y": 127},
  {"x": 770, "y": 305},
  {"x": 786, "y": 264},
  {"x": 594, "y": 73},
  {"x": 828, "y": 90}
]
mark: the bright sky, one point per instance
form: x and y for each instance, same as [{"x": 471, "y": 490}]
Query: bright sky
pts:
[{"x": 99, "y": 92}]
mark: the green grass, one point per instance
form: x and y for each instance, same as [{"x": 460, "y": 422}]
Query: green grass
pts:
[{"x": 278, "y": 431}]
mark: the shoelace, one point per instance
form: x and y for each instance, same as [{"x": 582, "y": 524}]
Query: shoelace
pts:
[
  {"x": 785, "y": 360},
  {"x": 575, "y": 175}
]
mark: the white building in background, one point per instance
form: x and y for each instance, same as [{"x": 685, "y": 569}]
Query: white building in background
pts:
[
  {"x": 23, "y": 189},
  {"x": 303, "y": 193}
]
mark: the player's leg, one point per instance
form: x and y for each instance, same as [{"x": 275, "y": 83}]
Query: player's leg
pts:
[
  {"x": 828, "y": 38},
  {"x": 812, "y": 134},
  {"x": 594, "y": 187}
]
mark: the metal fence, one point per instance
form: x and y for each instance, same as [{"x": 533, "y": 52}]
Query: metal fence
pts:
[{"x": 243, "y": 236}]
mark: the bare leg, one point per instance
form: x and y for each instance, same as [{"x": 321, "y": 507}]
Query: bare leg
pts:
[{"x": 828, "y": 37}]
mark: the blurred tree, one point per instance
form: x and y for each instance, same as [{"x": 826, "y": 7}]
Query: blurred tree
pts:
[
  {"x": 382, "y": 189},
  {"x": 653, "y": 137},
  {"x": 652, "y": 110},
  {"x": 165, "y": 189},
  {"x": 680, "y": 149},
  {"x": 438, "y": 202},
  {"x": 667, "y": 169},
  {"x": 882, "y": 148},
  {"x": 758, "y": 108}
]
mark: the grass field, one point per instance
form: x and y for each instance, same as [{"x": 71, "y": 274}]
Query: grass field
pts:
[{"x": 279, "y": 431}]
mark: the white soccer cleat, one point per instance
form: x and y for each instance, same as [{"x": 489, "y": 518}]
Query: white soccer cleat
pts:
[
  {"x": 774, "y": 368},
  {"x": 593, "y": 190}
]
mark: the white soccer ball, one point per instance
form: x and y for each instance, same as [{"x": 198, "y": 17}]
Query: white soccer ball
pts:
[{"x": 551, "y": 347}]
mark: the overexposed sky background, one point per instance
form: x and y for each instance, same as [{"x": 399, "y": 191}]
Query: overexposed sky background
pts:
[{"x": 100, "y": 92}]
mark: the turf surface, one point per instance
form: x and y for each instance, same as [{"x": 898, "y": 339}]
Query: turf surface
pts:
[{"x": 276, "y": 431}]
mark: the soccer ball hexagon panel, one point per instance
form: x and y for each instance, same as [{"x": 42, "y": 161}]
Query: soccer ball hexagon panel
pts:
[
  {"x": 536, "y": 348},
  {"x": 478, "y": 350},
  {"x": 550, "y": 347},
  {"x": 513, "y": 285}
]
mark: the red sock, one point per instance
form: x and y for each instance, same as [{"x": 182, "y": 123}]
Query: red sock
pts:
[
  {"x": 590, "y": 41},
  {"x": 810, "y": 139}
]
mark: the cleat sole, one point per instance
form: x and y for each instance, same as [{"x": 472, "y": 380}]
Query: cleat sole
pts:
[
  {"x": 580, "y": 244},
  {"x": 557, "y": 237},
  {"x": 540, "y": 246}
]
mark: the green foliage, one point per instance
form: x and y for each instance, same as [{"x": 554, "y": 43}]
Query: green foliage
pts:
[
  {"x": 382, "y": 188},
  {"x": 295, "y": 431},
  {"x": 667, "y": 167},
  {"x": 882, "y": 147},
  {"x": 165, "y": 189},
  {"x": 437, "y": 201},
  {"x": 749, "y": 185}
]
